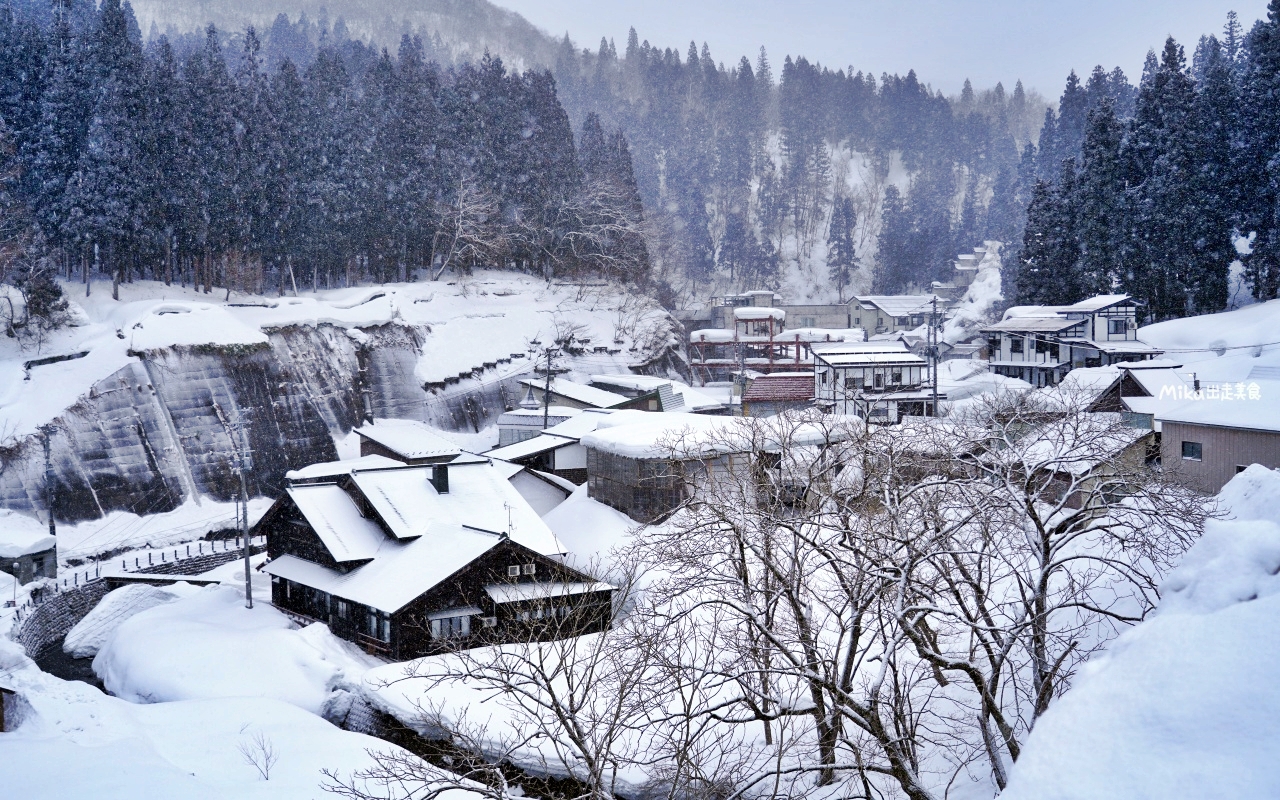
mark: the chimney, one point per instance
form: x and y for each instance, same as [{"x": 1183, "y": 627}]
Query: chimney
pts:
[{"x": 440, "y": 478}]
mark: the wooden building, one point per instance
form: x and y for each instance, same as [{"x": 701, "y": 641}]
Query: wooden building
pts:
[
  {"x": 407, "y": 441},
  {"x": 782, "y": 391},
  {"x": 881, "y": 382},
  {"x": 27, "y": 550},
  {"x": 1041, "y": 344},
  {"x": 1208, "y": 440},
  {"x": 409, "y": 560}
]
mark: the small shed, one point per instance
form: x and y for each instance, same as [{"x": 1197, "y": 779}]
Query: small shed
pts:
[
  {"x": 27, "y": 550},
  {"x": 9, "y": 716}
]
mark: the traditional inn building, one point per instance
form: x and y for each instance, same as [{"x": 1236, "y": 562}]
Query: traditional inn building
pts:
[
  {"x": 880, "y": 382},
  {"x": 1041, "y": 344},
  {"x": 408, "y": 560}
]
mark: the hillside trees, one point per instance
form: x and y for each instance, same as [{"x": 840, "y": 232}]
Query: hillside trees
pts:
[{"x": 217, "y": 163}]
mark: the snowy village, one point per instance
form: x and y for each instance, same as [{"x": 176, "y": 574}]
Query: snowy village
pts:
[{"x": 401, "y": 402}]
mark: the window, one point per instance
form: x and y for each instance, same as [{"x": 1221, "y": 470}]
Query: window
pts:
[
  {"x": 917, "y": 319},
  {"x": 896, "y": 376},
  {"x": 808, "y": 322},
  {"x": 879, "y": 411},
  {"x": 1192, "y": 451},
  {"x": 1240, "y": 468},
  {"x": 378, "y": 625},
  {"x": 857, "y": 320},
  {"x": 343, "y": 609},
  {"x": 993, "y": 344},
  {"x": 879, "y": 380},
  {"x": 1015, "y": 344},
  {"x": 450, "y": 627},
  {"x": 1115, "y": 326},
  {"x": 852, "y": 382},
  {"x": 513, "y": 571},
  {"x": 903, "y": 321},
  {"x": 530, "y": 569}
]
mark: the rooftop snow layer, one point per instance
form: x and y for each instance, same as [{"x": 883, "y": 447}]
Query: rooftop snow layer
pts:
[
  {"x": 401, "y": 573},
  {"x": 578, "y": 392},
  {"x": 759, "y": 313},
  {"x": 21, "y": 535},
  {"x": 899, "y": 305},
  {"x": 480, "y": 496},
  {"x": 337, "y": 521},
  {"x": 332, "y": 469},
  {"x": 530, "y": 447},
  {"x": 409, "y": 438},
  {"x": 1215, "y": 408}
]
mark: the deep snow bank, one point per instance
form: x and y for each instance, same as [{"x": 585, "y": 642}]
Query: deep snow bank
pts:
[
  {"x": 209, "y": 645},
  {"x": 1185, "y": 705}
]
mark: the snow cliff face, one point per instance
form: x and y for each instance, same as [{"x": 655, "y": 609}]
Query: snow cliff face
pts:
[{"x": 159, "y": 429}]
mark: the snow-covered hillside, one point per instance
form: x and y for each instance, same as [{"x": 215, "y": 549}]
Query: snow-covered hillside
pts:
[
  {"x": 1184, "y": 705},
  {"x": 144, "y": 401}
]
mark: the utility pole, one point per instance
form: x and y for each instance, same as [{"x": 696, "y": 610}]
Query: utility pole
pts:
[
  {"x": 245, "y": 456},
  {"x": 933, "y": 350},
  {"x": 550, "y": 354},
  {"x": 46, "y": 434}
]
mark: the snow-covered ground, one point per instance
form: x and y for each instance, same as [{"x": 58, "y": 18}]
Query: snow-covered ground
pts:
[
  {"x": 1184, "y": 705},
  {"x": 1222, "y": 347}
]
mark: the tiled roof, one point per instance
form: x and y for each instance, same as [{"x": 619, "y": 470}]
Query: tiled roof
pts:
[{"x": 779, "y": 389}]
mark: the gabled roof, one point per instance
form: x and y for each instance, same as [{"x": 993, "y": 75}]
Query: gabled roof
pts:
[
  {"x": 883, "y": 359},
  {"x": 1096, "y": 303},
  {"x": 329, "y": 510},
  {"x": 579, "y": 392},
  {"x": 1053, "y": 324},
  {"x": 1257, "y": 414},
  {"x": 780, "y": 388},
  {"x": 900, "y": 305},
  {"x": 400, "y": 574},
  {"x": 409, "y": 438},
  {"x": 479, "y": 496},
  {"x": 333, "y": 469},
  {"x": 530, "y": 447}
]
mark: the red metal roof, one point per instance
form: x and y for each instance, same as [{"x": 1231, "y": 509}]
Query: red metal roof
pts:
[{"x": 780, "y": 389}]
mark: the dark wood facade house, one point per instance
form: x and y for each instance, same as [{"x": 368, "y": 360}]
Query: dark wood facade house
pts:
[{"x": 412, "y": 560}]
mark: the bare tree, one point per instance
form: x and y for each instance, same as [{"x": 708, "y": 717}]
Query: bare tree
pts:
[
  {"x": 470, "y": 232},
  {"x": 259, "y": 753}
]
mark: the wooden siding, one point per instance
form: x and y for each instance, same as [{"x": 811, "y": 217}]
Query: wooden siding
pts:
[{"x": 1223, "y": 450}]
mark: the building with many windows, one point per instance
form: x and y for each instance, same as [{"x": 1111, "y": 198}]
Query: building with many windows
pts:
[
  {"x": 878, "y": 381},
  {"x": 1041, "y": 344}
]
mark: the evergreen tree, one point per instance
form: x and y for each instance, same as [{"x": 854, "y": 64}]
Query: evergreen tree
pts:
[
  {"x": 842, "y": 257},
  {"x": 1257, "y": 172},
  {"x": 1099, "y": 199}
]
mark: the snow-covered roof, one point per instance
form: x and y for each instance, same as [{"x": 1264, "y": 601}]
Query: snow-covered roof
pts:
[
  {"x": 693, "y": 399},
  {"x": 893, "y": 346},
  {"x": 870, "y": 359},
  {"x": 346, "y": 534},
  {"x": 1155, "y": 381},
  {"x": 530, "y": 447},
  {"x": 521, "y": 415},
  {"x": 1132, "y": 346},
  {"x": 1031, "y": 324},
  {"x": 412, "y": 439},
  {"x": 899, "y": 305},
  {"x": 636, "y": 434},
  {"x": 1096, "y": 303},
  {"x": 21, "y": 535},
  {"x": 578, "y": 392},
  {"x": 502, "y": 593},
  {"x": 1258, "y": 413},
  {"x": 332, "y": 469},
  {"x": 580, "y": 425},
  {"x": 480, "y": 496},
  {"x": 759, "y": 313},
  {"x": 402, "y": 571}
]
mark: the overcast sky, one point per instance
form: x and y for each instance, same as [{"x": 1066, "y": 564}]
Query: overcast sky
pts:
[{"x": 944, "y": 41}]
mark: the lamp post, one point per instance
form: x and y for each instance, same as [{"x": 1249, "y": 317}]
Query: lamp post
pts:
[{"x": 16, "y": 567}]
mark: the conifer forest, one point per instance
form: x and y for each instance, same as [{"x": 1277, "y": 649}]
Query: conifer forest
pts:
[{"x": 303, "y": 157}]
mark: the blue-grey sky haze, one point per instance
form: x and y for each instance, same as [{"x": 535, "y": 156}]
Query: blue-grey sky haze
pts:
[{"x": 944, "y": 41}]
